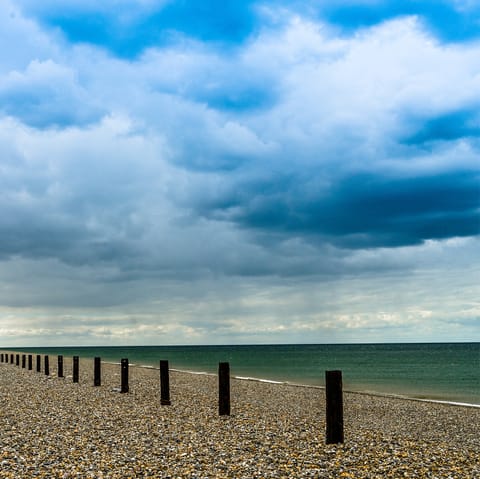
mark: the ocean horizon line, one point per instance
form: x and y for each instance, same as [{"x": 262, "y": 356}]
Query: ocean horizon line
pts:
[{"x": 195, "y": 345}]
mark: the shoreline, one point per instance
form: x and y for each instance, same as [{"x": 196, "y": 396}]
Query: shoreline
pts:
[
  {"x": 312, "y": 386},
  {"x": 368, "y": 392}
]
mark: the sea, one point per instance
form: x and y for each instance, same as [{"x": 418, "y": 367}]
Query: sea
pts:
[{"x": 447, "y": 372}]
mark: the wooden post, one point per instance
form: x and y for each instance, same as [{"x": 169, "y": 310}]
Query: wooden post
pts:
[
  {"x": 97, "y": 375},
  {"x": 75, "y": 369},
  {"x": 224, "y": 389},
  {"x": 30, "y": 360},
  {"x": 334, "y": 413},
  {"x": 17, "y": 359},
  {"x": 47, "y": 366},
  {"x": 24, "y": 358},
  {"x": 60, "y": 366},
  {"x": 164, "y": 384},
  {"x": 39, "y": 363},
  {"x": 124, "y": 372},
  {"x": 1, "y": 357},
  {"x": 11, "y": 358}
]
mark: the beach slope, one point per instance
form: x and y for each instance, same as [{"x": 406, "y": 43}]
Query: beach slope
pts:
[{"x": 51, "y": 427}]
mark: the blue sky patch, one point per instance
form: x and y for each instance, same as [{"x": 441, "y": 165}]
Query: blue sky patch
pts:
[
  {"x": 448, "y": 127},
  {"x": 446, "y": 20},
  {"x": 127, "y": 35}
]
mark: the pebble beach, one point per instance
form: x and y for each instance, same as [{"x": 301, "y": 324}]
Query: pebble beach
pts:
[{"x": 51, "y": 427}]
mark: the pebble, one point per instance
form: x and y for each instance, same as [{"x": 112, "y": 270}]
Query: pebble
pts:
[{"x": 52, "y": 428}]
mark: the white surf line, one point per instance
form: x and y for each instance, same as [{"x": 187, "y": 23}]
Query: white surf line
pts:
[
  {"x": 413, "y": 398},
  {"x": 368, "y": 393},
  {"x": 197, "y": 373},
  {"x": 258, "y": 380}
]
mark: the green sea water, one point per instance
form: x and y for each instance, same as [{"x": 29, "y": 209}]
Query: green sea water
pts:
[{"x": 440, "y": 371}]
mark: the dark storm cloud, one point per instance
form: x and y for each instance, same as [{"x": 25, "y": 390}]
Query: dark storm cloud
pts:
[
  {"x": 360, "y": 211},
  {"x": 39, "y": 235}
]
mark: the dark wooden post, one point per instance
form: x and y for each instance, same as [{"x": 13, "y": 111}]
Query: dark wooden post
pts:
[
  {"x": 30, "y": 360},
  {"x": 124, "y": 370},
  {"x": 224, "y": 389},
  {"x": 47, "y": 366},
  {"x": 75, "y": 369},
  {"x": 334, "y": 413},
  {"x": 164, "y": 384},
  {"x": 11, "y": 358},
  {"x": 60, "y": 366},
  {"x": 97, "y": 375},
  {"x": 6, "y": 358},
  {"x": 24, "y": 358},
  {"x": 39, "y": 363},
  {"x": 17, "y": 359},
  {"x": 1, "y": 357}
]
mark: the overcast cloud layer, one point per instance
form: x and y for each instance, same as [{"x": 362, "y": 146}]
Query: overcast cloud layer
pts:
[{"x": 177, "y": 172}]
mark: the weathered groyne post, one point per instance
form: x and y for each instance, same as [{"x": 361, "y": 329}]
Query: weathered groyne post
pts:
[
  {"x": 47, "y": 365},
  {"x": 60, "y": 366},
  {"x": 24, "y": 361},
  {"x": 224, "y": 389},
  {"x": 30, "y": 361},
  {"x": 97, "y": 373},
  {"x": 164, "y": 384},
  {"x": 39, "y": 363},
  {"x": 75, "y": 369},
  {"x": 17, "y": 359},
  {"x": 334, "y": 407},
  {"x": 124, "y": 373}
]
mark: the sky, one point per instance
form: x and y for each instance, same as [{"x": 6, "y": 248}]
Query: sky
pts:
[{"x": 235, "y": 172}]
